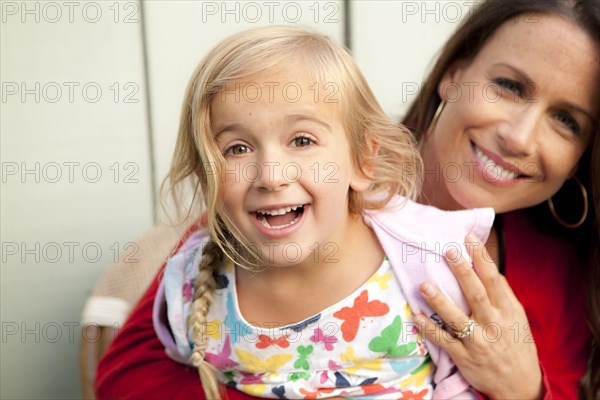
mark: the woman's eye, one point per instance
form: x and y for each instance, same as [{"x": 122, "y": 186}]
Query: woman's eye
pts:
[
  {"x": 567, "y": 120},
  {"x": 511, "y": 85},
  {"x": 302, "y": 141},
  {"x": 237, "y": 149}
]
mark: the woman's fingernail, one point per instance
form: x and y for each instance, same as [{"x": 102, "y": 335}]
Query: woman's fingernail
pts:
[
  {"x": 471, "y": 238},
  {"x": 419, "y": 319},
  {"x": 428, "y": 289},
  {"x": 452, "y": 254}
]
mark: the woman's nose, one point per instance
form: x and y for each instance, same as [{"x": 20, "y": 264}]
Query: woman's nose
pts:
[{"x": 519, "y": 133}]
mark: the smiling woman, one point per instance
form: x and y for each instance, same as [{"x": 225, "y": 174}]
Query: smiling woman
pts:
[
  {"x": 516, "y": 111},
  {"x": 514, "y": 129}
]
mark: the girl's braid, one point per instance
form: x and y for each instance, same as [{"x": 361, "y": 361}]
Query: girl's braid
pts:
[{"x": 212, "y": 259}]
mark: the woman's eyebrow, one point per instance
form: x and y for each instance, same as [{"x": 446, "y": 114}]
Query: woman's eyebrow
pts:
[
  {"x": 522, "y": 75},
  {"x": 575, "y": 107},
  {"x": 563, "y": 103}
]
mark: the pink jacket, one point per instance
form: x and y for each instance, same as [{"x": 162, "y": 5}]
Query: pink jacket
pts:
[{"x": 415, "y": 238}]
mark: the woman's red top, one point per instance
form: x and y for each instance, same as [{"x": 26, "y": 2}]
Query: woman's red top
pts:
[{"x": 540, "y": 268}]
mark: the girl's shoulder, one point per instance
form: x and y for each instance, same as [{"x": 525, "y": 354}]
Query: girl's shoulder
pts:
[
  {"x": 428, "y": 227},
  {"x": 176, "y": 292}
]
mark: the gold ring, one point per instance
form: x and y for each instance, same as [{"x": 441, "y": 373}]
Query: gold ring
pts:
[{"x": 465, "y": 332}]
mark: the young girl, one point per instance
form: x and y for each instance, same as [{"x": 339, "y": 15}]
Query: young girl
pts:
[{"x": 306, "y": 280}]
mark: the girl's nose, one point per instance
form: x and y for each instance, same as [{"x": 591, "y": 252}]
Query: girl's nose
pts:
[
  {"x": 271, "y": 174},
  {"x": 518, "y": 134}
]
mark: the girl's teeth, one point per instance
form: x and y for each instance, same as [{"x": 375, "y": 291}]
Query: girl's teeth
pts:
[
  {"x": 261, "y": 215},
  {"x": 292, "y": 222},
  {"x": 263, "y": 220},
  {"x": 280, "y": 211},
  {"x": 504, "y": 174}
]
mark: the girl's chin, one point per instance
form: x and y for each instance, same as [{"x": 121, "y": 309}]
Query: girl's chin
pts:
[{"x": 279, "y": 258}]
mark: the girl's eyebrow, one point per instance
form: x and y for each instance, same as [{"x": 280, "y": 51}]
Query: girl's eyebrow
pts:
[
  {"x": 232, "y": 127},
  {"x": 236, "y": 127},
  {"x": 302, "y": 117}
]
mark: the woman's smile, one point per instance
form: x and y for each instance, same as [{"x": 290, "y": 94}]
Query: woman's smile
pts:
[{"x": 515, "y": 149}]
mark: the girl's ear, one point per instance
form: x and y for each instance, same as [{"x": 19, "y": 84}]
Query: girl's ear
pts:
[
  {"x": 450, "y": 79},
  {"x": 361, "y": 177}
]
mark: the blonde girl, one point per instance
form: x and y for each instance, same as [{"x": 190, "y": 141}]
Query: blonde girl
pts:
[{"x": 304, "y": 283}]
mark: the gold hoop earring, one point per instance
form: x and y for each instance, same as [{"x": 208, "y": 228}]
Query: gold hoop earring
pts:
[
  {"x": 585, "y": 208},
  {"x": 434, "y": 120}
]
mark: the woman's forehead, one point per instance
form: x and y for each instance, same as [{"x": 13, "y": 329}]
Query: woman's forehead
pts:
[
  {"x": 552, "y": 52},
  {"x": 545, "y": 38}
]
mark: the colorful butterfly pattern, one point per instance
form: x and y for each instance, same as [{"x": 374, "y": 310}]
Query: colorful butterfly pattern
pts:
[
  {"x": 361, "y": 347},
  {"x": 327, "y": 340},
  {"x": 222, "y": 360},
  {"x": 360, "y": 310},
  {"x": 265, "y": 341},
  {"x": 304, "y": 352}
]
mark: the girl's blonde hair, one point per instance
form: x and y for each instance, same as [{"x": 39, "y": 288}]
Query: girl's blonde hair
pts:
[{"x": 396, "y": 167}]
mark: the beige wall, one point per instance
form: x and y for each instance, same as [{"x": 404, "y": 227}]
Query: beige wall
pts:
[{"x": 75, "y": 147}]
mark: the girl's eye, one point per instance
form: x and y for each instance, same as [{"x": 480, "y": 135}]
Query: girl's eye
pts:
[
  {"x": 302, "y": 141},
  {"x": 237, "y": 149},
  {"x": 511, "y": 85},
  {"x": 567, "y": 120}
]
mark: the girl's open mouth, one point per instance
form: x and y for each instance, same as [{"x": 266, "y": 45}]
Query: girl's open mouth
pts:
[{"x": 280, "y": 218}]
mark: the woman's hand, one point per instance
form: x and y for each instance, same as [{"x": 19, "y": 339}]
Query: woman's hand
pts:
[{"x": 498, "y": 357}]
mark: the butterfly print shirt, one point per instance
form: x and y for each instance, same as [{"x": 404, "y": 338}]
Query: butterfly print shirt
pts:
[
  {"x": 414, "y": 237},
  {"x": 364, "y": 345}
]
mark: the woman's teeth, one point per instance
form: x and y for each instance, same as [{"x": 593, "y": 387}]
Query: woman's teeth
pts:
[{"x": 489, "y": 164}]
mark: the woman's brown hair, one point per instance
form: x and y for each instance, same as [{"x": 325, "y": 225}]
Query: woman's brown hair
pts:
[{"x": 464, "y": 45}]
